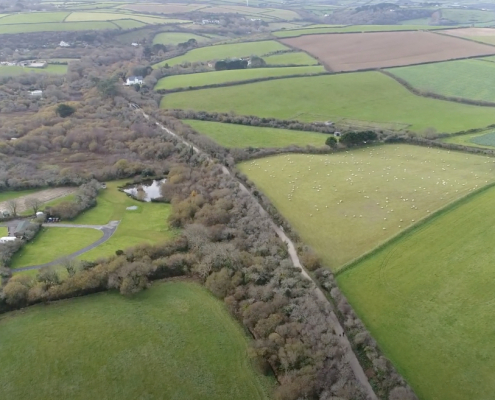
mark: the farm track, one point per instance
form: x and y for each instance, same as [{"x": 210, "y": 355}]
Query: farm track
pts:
[
  {"x": 350, "y": 356},
  {"x": 108, "y": 230}
]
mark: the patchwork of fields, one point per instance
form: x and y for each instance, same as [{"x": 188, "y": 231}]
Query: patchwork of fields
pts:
[
  {"x": 367, "y": 98},
  {"x": 428, "y": 300},
  {"x": 346, "y": 204},
  {"x": 241, "y": 136},
  {"x": 93, "y": 347},
  {"x": 385, "y": 49},
  {"x": 443, "y": 79}
]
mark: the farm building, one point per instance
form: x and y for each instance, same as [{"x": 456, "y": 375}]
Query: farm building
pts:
[
  {"x": 36, "y": 93},
  {"x": 134, "y": 80},
  {"x": 7, "y": 239}
]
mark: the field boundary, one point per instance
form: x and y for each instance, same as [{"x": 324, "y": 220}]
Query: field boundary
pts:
[
  {"x": 417, "y": 92},
  {"x": 447, "y": 208}
]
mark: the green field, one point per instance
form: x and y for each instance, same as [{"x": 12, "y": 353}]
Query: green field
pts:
[
  {"x": 364, "y": 96},
  {"x": 468, "y": 140},
  {"x": 3, "y": 231},
  {"x": 56, "y": 26},
  {"x": 353, "y": 28},
  {"x": 240, "y": 136},
  {"x": 4, "y": 196},
  {"x": 217, "y": 52},
  {"x": 174, "y": 38},
  {"x": 483, "y": 39},
  {"x": 129, "y": 23},
  {"x": 173, "y": 341},
  {"x": 468, "y": 16},
  {"x": 237, "y": 75},
  {"x": 33, "y": 18},
  {"x": 427, "y": 299},
  {"x": 101, "y": 16},
  {"x": 57, "y": 69},
  {"x": 292, "y": 58},
  {"x": 53, "y": 243},
  {"x": 346, "y": 204},
  {"x": 487, "y": 139},
  {"x": 444, "y": 78},
  {"x": 147, "y": 224}
]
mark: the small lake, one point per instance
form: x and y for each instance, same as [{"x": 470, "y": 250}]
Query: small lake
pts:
[{"x": 146, "y": 191}]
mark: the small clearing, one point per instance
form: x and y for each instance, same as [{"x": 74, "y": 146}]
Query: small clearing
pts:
[{"x": 43, "y": 196}]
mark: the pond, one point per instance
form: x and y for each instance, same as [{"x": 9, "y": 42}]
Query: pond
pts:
[{"x": 145, "y": 191}]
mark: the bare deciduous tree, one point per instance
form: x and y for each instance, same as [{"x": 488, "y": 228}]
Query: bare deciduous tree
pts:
[
  {"x": 34, "y": 203},
  {"x": 12, "y": 205}
]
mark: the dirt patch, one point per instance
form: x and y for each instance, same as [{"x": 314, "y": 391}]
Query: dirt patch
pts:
[
  {"x": 467, "y": 32},
  {"x": 44, "y": 196},
  {"x": 356, "y": 51}
]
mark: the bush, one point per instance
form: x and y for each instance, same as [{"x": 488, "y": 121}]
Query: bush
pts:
[
  {"x": 64, "y": 110},
  {"x": 331, "y": 142}
]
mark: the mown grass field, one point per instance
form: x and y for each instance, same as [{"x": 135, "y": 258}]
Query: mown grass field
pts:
[
  {"x": 57, "y": 69},
  {"x": 147, "y": 224},
  {"x": 34, "y": 17},
  {"x": 53, "y": 243},
  {"x": 427, "y": 299},
  {"x": 366, "y": 96},
  {"x": 221, "y": 51},
  {"x": 173, "y": 341},
  {"x": 292, "y": 58},
  {"x": 444, "y": 78},
  {"x": 353, "y": 28},
  {"x": 236, "y": 75},
  {"x": 484, "y": 140},
  {"x": 56, "y": 26},
  {"x": 13, "y": 194},
  {"x": 128, "y": 23},
  {"x": 4, "y": 231},
  {"x": 346, "y": 204},
  {"x": 240, "y": 136},
  {"x": 174, "y": 38}
]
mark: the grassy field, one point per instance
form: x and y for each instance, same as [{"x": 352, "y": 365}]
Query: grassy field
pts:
[
  {"x": 468, "y": 16},
  {"x": 353, "y": 28},
  {"x": 57, "y": 69},
  {"x": 53, "y": 243},
  {"x": 444, "y": 78},
  {"x": 470, "y": 139},
  {"x": 292, "y": 58},
  {"x": 237, "y": 75},
  {"x": 4, "y": 196},
  {"x": 364, "y": 96},
  {"x": 346, "y": 204},
  {"x": 147, "y": 224},
  {"x": 129, "y": 23},
  {"x": 33, "y": 18},
  {"x": 217, "y": 52},
  {"x": 56, "y": 26},
  {"x": 3, "y": 231},
  {"x": 484, "y": 39},
  {"x": 101, "y": 16},
  {"x": 240, "y": 136},
  {"x": 173, "y": 341},
  {"x": 427, "y": 299},
  {"x": 174, "y": 38}
]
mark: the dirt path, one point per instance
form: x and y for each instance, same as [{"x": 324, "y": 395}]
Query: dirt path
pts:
[
  {"x": 44, "y": 196},
  {"x": 344, "y": 342},
  {"x": 108, "y": 230}
]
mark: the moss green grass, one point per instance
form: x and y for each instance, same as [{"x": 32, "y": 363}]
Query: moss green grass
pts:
[
  {"x": 174, "y": 38},
  {"x": 464, "y": 79},
  {"x": 365, "y": 96},
  {"x": 56, "y": 26},
  {"x": 173, "y": 341},
  {"x": 427, "y": 299},
  {"x": 146, "y": 224},
  {"x": 292, "y": 58},
  {"x": 238, "y": 75},
  {"x": 346, "y": 204},
  {"x": 216, "y": 52},
  {"x": 240, "y": 136},
  {"x": 53, "y": 243},
  {"x": 4, "y": 196},
  {"x": 57, "y": 69}
]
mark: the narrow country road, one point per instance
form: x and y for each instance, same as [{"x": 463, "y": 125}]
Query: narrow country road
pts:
[
  {"x": 344, "y": 342},
  {"x": 108, "y": 230}
]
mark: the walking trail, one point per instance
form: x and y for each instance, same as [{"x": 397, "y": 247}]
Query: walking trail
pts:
[{"x": 337, "y": 327}]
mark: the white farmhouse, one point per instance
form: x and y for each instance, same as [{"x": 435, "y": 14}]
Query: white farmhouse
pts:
[{"x": 134, "y": 80}]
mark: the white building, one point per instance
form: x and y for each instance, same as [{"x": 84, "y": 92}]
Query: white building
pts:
[
  {"x": 134, "y": 80},
  {"x": 64, "y": 44},
  {"x": 7, "y": 239},
  {"x": 36, "y": 93}
]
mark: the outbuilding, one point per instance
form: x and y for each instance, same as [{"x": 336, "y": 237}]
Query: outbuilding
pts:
[{"x": 7, "y": 239}]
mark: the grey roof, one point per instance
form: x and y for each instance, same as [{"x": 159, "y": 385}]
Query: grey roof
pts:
[{"x": 21, "y": 226}]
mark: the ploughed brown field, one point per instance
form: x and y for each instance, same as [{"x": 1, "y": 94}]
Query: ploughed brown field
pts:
[{"x": 356, "y": 51}]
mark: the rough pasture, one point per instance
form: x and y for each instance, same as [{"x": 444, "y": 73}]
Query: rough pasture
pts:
[
  {"x": 173, "y": 341},
  {"x": 163, "y": 8},
  {"x": 367, "y": 98},
  {"x": 22, "y": 198},
  {"x": 484, "y": 35},
  {"x": 427, "y": 299},
  {"x": 292, "y": 58},
  {"x": 346, "y": 204},
  {"x": 385, "y": 49}
]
